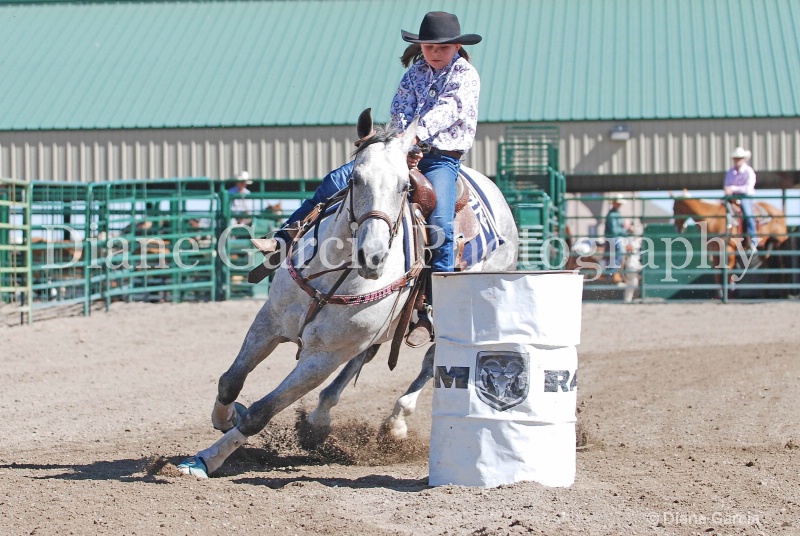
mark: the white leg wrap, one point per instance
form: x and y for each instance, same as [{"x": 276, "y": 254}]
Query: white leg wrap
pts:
[
  {"x": 222, "y": 416},
  {"x": 215, "y": 455},
  {"x": 409, "y": 402}
]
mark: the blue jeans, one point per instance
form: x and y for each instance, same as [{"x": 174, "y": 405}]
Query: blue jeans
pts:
[
  {"x": 617, "y": 245},
  {"x": 442, "y": 171},
  {"x": 749, "y": 221},
  {"x": 332, "y": 183}
]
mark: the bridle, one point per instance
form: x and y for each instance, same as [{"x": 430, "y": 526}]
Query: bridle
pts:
[
  {"x": 320, "y": 299},
  {"x": 355, "y": 223}
]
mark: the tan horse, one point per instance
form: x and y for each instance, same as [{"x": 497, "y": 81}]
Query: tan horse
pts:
[{"x": 770, "y": 230}]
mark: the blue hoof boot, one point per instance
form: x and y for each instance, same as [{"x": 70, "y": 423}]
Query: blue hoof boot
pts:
[{"x": 193, "y": 466}]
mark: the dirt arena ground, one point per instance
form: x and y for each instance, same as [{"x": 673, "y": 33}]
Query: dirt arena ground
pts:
[{"x": 691, "y": 415}]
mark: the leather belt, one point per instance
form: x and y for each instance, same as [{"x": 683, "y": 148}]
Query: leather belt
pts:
[{"x": 438, "y": 152}]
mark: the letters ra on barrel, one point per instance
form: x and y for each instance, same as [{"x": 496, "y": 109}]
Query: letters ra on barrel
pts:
[{"x": 505, "y": 378}]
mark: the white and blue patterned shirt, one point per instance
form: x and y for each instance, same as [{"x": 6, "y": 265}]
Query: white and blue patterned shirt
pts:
[{"x": 446, "y": 102}]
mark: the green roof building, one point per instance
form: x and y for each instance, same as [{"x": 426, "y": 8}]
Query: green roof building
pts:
[{"x": 641, "y": 90}]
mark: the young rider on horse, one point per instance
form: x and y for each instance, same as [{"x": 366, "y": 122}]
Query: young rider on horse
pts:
[{"x": 440, "y": 88}]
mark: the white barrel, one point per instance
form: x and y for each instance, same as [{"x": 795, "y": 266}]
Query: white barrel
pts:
[{"x": 505, "y": 377}]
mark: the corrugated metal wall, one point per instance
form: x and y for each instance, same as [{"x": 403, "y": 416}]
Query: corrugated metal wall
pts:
[
  {"x": 677, "y": 146},
  {"x": 99, "y": 155}
]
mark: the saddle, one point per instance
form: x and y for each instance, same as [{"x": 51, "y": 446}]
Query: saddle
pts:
[
  {"x": 735, "y": 215},
  {"x": 733, "y": 210},
  {"x": 466, "y": 225}
]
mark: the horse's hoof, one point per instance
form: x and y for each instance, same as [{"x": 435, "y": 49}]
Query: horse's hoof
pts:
[
  {"x": 241, "y": 409},
  {"x": 193, "y": 466},
  {"x": 309, "y": 436},
  {"x": 393, "y": 431},
  {"x": 238, "y": 415}
]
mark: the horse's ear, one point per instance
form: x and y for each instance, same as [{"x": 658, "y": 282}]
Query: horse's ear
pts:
[
  {"x": 364, "y": 126},
  {"x": 409, "y": 137}
]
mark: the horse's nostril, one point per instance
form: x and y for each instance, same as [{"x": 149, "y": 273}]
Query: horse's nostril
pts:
[{"x": 362, "y": 259}]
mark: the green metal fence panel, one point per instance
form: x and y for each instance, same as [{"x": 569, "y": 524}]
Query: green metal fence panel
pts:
[
  {"x": 58, "y": 227},
  {"x": 156, "y": 240},
  {"x": 71, "y": 247},
  {"x": 257, "y": 213},
  {"x": 15, "y": 252},
  {"x": 673, "y": 268},
  {"x": 527, "y": 174},
  {"x": 681, "y": 265}
]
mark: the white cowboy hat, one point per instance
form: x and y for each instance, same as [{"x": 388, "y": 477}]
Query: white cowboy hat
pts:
[
  {"x": 619, "y": 198},
  {"x": 244, "y": 177},
  {"x": 741, "y": 152}
]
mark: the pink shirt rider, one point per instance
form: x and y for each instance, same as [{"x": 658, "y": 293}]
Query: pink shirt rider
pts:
[{"x": 741, "y": 180}]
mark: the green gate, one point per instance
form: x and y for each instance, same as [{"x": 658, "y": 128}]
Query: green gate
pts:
[
  {"x": 253, "y": 215},
  {"x": 15, "y": 252},
  {"x": 156, "y": 240},
  {"x": 527, "y": 174},
  {"x": 58, "y": 215}
]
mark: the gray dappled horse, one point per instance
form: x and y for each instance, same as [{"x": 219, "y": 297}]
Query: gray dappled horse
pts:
[{"x": 338, "y": 334}]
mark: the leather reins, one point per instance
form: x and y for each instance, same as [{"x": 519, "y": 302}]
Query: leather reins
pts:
[{"x": 319, "y": 299}]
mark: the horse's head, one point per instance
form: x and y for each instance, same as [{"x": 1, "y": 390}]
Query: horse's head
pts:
[{"x": 379, "y": 187}]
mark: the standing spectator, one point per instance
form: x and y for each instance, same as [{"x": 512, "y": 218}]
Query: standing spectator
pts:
[
  {"x": 740, "y": 184},
  {"x": 616, "y": 231},
  {"x": 239, "y": 205}
]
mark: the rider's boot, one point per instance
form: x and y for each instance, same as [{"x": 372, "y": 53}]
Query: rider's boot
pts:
[
  {"x": 421, "y": 332},
  {"x": 274, "y": 250},
  {"x": 266, "y": 245}
]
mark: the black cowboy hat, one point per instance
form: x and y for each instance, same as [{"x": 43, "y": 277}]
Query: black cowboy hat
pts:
[{"x": 440, "y": 28}]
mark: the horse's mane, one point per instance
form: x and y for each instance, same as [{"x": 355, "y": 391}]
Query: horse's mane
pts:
[{"x": 383, "y": 134}]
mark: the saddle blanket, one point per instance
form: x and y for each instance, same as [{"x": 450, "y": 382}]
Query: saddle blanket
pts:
[
  {"x": 488, "y": 238},
  {"x": 760, "y": 214}
]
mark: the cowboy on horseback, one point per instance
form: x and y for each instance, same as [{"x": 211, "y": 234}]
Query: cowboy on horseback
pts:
[{"x": 740, "y": 184}]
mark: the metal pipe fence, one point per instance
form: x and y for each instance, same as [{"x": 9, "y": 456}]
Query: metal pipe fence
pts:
[
  {"x": 665, "y": 261},
  {"x": 15, "y": 252},
  {"x": 71, "y": 248},
  {"x": 88, "y": 245},
  {"x": 256, "y": 214}
]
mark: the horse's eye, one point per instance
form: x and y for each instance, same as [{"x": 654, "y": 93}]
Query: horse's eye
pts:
[{"x": 358, "y": 179}]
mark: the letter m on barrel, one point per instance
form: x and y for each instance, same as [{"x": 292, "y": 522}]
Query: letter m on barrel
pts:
[{"x": 453, "y": 377}]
